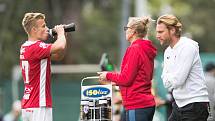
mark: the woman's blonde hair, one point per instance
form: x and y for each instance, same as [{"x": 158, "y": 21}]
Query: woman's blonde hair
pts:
[
  {"x": 140, "y": 25},
  {"x": 171, "y": 21},
  {"x": 30, "y": 19}
]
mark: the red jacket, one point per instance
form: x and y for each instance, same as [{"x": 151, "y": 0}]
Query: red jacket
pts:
[{"x": 136, "y": 74}]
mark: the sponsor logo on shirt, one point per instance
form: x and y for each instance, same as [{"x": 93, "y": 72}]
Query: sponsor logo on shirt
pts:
[
  {"x": 43, "y": 45},
  {"x": 27, "y": 92}
]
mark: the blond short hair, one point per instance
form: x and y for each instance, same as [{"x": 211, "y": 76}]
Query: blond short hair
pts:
[
  {"x": 140, "y": 25},
  {"x": 30, "y": 19},
  {"x": 171, "y": 21}
]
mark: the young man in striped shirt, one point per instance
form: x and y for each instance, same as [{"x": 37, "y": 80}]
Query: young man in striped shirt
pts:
[{"x": 35, "y": 60}]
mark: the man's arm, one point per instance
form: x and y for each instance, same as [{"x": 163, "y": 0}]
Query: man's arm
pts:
[
  {"x": 178, "y": 76},
  {"x": 58, "y": 56},
  {"x": 167, "y": 83},
  {"x": 59, "y": 46}
]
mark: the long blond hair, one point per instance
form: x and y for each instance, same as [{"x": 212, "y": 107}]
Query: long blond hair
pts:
[{"x": 171, "y": 21}]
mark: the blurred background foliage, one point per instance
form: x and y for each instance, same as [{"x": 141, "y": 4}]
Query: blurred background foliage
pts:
[{"x": 98, "y": 26}]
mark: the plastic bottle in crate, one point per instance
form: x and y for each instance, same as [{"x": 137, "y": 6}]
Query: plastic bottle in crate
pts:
[
  {"x": 84, "y": 110},
  {"x": 104, "y": 112},
  {"x": 97, "y": 111},
  {"x": 109, "y": 103},
  {"x": 90, "y": 114}
]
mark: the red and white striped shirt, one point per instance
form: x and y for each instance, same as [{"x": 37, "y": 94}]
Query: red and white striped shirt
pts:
[{"x": 35, "y": 64}]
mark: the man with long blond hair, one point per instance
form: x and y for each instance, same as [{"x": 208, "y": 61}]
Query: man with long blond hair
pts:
[
  {"x": 35, "y": 59},
  {"x": 182, "y": 72}
]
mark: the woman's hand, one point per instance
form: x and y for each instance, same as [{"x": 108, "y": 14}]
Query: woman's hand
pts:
[{"x": 102, "y": 76}]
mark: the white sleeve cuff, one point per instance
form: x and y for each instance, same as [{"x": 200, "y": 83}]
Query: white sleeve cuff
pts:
[{"x": 167, "y": 84}]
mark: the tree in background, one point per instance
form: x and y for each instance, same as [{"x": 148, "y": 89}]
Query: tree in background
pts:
[{"x": 98, "y": 26}]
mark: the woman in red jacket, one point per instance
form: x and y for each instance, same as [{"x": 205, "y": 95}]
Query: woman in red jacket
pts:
[{"x": 134, "y": 78}]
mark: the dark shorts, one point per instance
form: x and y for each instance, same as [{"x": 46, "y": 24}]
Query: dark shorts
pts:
[
  {"x": 197, "y": 111},
  {"x": 142, "y": 114}
]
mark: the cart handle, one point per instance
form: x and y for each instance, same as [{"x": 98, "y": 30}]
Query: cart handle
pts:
[
  {"x": 90, "y": 77},
  {"x": 87, "y": 78}
]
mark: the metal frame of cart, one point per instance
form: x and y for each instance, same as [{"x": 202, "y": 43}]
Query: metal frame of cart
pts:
[{"x": 96, "y": 94}]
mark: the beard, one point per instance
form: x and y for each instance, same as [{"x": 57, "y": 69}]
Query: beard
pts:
[
  {"x": 166, "y": 42},
  {"x": 167, "y": 39}
]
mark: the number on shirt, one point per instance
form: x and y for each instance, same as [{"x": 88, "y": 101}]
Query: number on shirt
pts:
[{"x": 25, "y": 67}]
